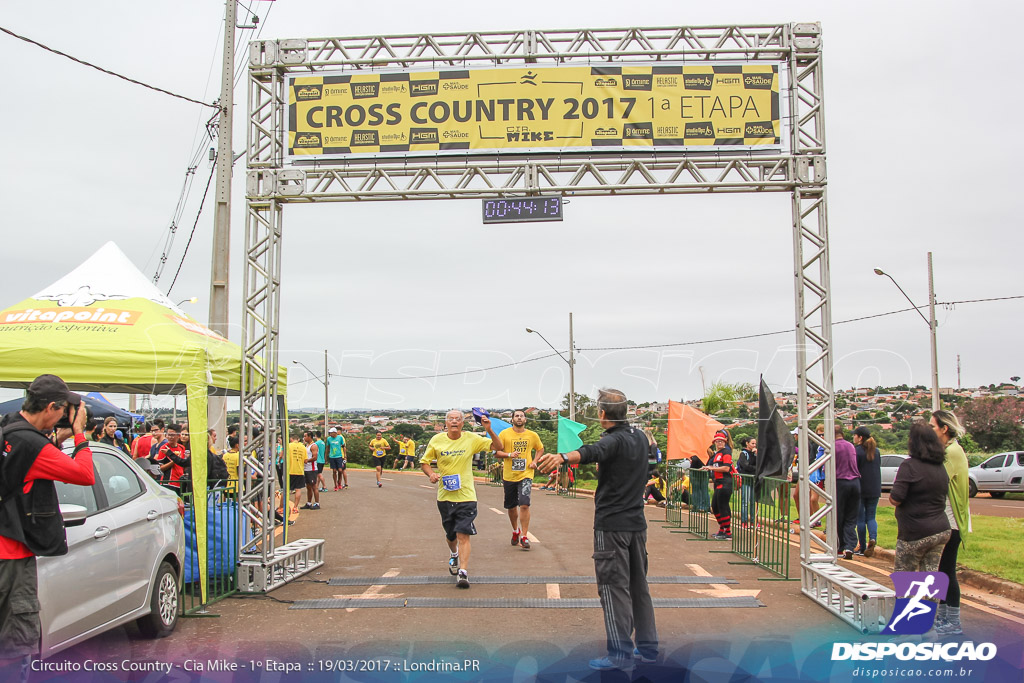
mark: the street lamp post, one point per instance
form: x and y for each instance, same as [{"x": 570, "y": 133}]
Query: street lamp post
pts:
[
  {"x": 930, "y": 321},
  {"x": 326, "y": 381},
  {"x": 571, "y": 360},
  {"x": 190, "y": 300}
]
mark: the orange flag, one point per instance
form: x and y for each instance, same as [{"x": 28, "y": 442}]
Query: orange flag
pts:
[{"x": 689, "y": 431}]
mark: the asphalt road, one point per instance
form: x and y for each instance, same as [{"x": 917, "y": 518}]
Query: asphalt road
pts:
[{"x": 396, "y": 531}]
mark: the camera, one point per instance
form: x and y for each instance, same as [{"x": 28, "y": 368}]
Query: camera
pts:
[{"x": 70, "y": 413}]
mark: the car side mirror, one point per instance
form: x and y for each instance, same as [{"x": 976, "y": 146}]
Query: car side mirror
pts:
[{"x": 74, "y": 515}]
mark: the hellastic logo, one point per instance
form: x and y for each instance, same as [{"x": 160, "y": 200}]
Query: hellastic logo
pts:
[{"x": 363, "y": 90}]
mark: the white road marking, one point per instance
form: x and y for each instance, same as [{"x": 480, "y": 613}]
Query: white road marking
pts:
[
  {"x": 374, "y": 591},
  {"x": 500, "y": 512},
  {"x": 431, "y": 487},
  {"x": 554, "y": 592},
  {"x": 1012, "y": 507},
  {"x": 718, "y": 590},
  {"x": 533, "y": 539}
]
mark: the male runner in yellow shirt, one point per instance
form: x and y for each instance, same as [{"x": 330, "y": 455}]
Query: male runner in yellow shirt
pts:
[
  {"x": 519, "y": 446},
  {"x": 406, "y": 452},
  {"x": 456, "y": 495},
  {"x": 377, "y": 448},
  {"x": 296, "y": 460}
]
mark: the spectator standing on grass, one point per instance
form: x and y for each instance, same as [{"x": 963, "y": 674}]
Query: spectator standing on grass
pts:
[
  {"x": 620, "y": 533},
  {"x": 919, "y": 496},
  {"x": 746, "y": 464},
  {"x": 948, "y": 430},
  {"x": 870, "y": 467},
  {"x": 847, "y": 493}
]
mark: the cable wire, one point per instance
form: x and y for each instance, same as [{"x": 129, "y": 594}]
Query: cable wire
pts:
[
  {"x": 106, "y": 71},
  {"x": 193, "y": 233}
]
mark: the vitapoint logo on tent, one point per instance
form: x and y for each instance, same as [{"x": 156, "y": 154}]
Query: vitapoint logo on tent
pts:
[{"x": 917, "y": 594}]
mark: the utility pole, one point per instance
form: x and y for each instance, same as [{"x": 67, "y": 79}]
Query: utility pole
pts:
[
  {"x": 222, "y": 216},
  {"x": 572, "y": 374},
  {"x": 958, "y": 372},
  {"x": 936, "y": 403},
  {"x": 327, "y": 380}
]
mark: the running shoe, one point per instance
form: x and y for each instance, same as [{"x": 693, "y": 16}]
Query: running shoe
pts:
[
  {"x": 453, "y": 565},
  {"x": 515, "y": 537},
  {"x": 307, "y": 506},
  {"x": 379, "y": 485},
  {"x": 870, "y": 550},
  {"x": 323, "y": 489},
  {"x": 646, "y": 660},
  {"x": 525, "y": 542},
  {"x": 848, "y": 554},
  {"x": 606, "y": 664},
  {"x": 463, "y": 580},
  {"x": 315, "y": 506}
]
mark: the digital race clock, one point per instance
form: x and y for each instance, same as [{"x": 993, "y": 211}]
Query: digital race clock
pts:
[{"x": 523, "y": 210}]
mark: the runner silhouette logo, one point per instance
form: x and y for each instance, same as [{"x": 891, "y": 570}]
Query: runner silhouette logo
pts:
[{"x": 917, "y": 596}]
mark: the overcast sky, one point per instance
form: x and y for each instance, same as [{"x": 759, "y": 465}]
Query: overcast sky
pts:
[{"x": 923, "y": 155}]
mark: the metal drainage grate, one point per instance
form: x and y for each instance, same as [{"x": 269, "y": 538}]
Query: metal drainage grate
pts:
[
  {"x": 512, "y": 603},
  {"x": 564, "y": 580}
]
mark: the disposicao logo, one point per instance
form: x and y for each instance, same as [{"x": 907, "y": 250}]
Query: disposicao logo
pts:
[
  {"x": 917, "y": 594},
  {"x": 914, "y": 613}
]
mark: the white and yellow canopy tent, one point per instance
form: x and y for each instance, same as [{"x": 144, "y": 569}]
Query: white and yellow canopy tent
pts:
[{"x": 105, "y": 327}]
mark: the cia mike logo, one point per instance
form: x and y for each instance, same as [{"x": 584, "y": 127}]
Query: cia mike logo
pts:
[{"x": 917, "y": 597}]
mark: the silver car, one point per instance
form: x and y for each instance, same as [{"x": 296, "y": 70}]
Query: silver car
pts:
[
  {"x": 126, "y": 545},
  {"x": 890, "y": 465},
  {"x": 999, "y": 475}
]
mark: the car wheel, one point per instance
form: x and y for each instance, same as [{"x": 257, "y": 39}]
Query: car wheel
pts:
[
  {"x": 972, "y": 490},
  {"x": 997, "y": 494},
  {"x": 163, "y": 604}
]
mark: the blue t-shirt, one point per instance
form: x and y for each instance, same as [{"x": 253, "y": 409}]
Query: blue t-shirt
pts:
[{"x": 320, "y": 452}]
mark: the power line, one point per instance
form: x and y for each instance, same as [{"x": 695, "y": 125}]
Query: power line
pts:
[
  {"x": 106, "y": 71},
  {"x": 192, "y": 234},
  {"x": 631, "y": 348}
]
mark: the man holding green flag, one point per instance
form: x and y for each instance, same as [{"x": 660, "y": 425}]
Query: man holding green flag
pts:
[{"x": 620, "y": 531}]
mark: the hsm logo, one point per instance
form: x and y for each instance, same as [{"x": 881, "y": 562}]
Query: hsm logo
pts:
[{"x": 917, "y": 595}]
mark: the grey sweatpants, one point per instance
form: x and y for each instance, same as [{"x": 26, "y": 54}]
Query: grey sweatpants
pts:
[{"x": 620, "y": 562}]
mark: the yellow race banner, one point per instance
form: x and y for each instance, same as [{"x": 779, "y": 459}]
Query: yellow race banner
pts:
[{"x": 539, "y": 109}]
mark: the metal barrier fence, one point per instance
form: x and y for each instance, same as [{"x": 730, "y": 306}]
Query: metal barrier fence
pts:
[
  {"x": 493, "y": 466},
  {"x": 760, "y": 523},
  {"x": 700, "y": 503},
  {"x": 221, "y": 548},
  {"x": 567, "y": 476},
  {"x": 677, "y": 485}
]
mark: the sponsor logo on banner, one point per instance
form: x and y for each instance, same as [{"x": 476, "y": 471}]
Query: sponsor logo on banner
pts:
[
  {"x": 423, "y": 136},
  {"x": 422, "y": 88},
  {"x": 728, "y": 130},
  {"x": 698, "y": 81},
  {"x": 728, "y": 79},
  {"x": 606, "y": 132},
  {"x": 703, "y": 129},
  {"x": 605, "y": 82},
  {"x": 759, "y": 129},
  {"x": 307, "y": 140},
  {"x": 307, "y": 93},
  {"x": 362, "y": 91},
  {"x": 637, "y": 82},
  {"x": 71, "y": 314},
  {"x": 668, "y": 131},
  {"x": 666, "y": 81},
  {"x": 363, "y": 138},
  {"x": 758, "y": 81},
  {"x": 637, "y": 131}
]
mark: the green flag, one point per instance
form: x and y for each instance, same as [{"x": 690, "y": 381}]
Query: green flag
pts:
[{"x": 569, "y": 435}]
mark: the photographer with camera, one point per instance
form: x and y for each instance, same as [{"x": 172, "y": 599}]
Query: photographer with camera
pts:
[{"x": 30, "y": 520}]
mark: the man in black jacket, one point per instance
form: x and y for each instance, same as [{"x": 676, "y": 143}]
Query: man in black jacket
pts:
[{"x": 620, "y": 533}]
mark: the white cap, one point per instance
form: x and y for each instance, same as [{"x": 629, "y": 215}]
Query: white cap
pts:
[{"x": 332, "y": 430}]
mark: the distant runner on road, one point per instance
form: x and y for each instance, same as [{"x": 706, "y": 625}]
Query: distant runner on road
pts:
[
  {"x": 339, "y": 464},
  {"x": 456, "y": 496},
  {"x": 519, "y": 447},
  {"x": 377, "y": 448}
]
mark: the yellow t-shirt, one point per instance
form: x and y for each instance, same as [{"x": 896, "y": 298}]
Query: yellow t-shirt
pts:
[
  {"x": 525, "y": 445},
  {"x": 231, "y": 460},
  {"x": 407, "y": 447},
  {"x": 378, "y": 446},
  {"x": 455, "y": 464},
  {"x": 296, "y": 457}
]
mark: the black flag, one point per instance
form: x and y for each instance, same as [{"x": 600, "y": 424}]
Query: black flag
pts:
[{"x": 775, "y": 446}]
